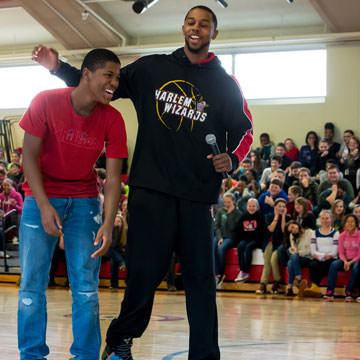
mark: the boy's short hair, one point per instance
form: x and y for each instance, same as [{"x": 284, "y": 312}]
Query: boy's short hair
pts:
[
  {"x": 329, "y": 126},
  {"x": 96, "y": 59},
  {"x": 305, "y": 169},
  {"x": 276, "y": 158},
  {"x": 295, "y": 165},
  {"x": 276, "y": 182}
]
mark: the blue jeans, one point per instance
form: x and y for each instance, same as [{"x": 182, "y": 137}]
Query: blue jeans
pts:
[
  {"x": 220, "y": 254},
  {"x": 81, "y": 220},
  {"x": 245, "y": 250},
  {"x": 295, "y": 264},
  {"x": 335, "y": 267}
]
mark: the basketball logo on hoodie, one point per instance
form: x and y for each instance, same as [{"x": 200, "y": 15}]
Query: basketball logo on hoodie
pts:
[{"x": 179, "y": 103}]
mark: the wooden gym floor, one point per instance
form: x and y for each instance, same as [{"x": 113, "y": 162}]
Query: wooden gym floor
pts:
[{"x": 250, "y": 327}]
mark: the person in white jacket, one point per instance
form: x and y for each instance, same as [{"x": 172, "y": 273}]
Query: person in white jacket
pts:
[{"x": 300, "y": 254}]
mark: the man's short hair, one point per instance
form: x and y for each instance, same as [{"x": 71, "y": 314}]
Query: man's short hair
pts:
[
  {"x": 101, "y": 173},
  {"x": 323, "y": 140},
  {"x": 295, "y": 189},
  {"x": 276, "y": 158},
  {"x": 349, "y": 131},
  {"x": 281, "y": 145},
  {"x": 96, "y": 59},
  {"x": 333, "y": 166},
  {"x": 2, "y": 171},
  {"x": 247, "y": 161},
  {"x": 202, "y": 7},
  {"x": 276, "y": 182}
]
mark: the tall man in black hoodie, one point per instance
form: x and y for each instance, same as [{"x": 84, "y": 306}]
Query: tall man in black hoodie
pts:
[{"x": 179, "y": 99}]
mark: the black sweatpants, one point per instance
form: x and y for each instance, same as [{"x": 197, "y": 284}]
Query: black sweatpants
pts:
[{"x": 158, "y": 225}]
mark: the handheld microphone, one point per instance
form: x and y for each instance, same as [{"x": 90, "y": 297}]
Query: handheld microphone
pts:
[{"x": 211, "y": 140}]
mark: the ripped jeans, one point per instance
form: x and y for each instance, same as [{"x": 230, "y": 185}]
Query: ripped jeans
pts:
[{"x": 81, "y": 220}]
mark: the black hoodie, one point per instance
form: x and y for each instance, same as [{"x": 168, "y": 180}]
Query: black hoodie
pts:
[{"x": 178, "y": 104}]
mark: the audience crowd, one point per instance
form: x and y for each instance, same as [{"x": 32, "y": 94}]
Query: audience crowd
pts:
[{"x": 301, "y": 207}]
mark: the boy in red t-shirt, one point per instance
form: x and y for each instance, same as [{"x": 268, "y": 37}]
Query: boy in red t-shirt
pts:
[{"x": 65, "y": 132}]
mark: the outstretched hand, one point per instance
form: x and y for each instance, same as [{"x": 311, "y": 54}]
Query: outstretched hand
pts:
[{"x": 47, "y": 57}]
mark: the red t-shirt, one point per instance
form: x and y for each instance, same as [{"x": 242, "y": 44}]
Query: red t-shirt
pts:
[{"x": 72, "y": 143}]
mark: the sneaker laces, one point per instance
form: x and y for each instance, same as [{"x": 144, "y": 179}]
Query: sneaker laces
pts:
[{"x": 123, "y": 350}]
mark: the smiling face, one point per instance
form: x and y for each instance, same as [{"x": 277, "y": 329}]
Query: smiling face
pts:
[
  {"x": 325, "y": 219},
  {"x": 102, "y": 82},
  {"x": 199, "y": 30},
  {"x": 339, "y": 208},
  {"x": 350, "y": 224},
  {"x": 252, "y": 207},
  {"x": 293, "y": 229}
]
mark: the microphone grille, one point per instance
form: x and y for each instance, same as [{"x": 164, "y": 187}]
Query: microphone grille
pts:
[{"x": 210, "y": 139}]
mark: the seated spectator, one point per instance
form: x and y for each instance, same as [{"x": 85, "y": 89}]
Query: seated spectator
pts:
[
  {"x": 349, "y": 256},
  {"x": 251, "y": 176},
  {"x": 242, "y": 193},
  {"x": 328, "y": 197},
  {"x": 285, "y": 160},
  {"x": 293, "y": 174},
  {"x": 300, "y": 254},
  {"x": 356, "y": 212},
  {"x": 350, "y": 161},
  {"x": 268, "y": 198},
  {"x": 308, "y": 152},
  {"x": 338, "y": 214},
  {"x": 226, "y": 224},
  {"x": 274, "y": 237},
  {"x": 333, "y": 176},
  {"x": 15, "y": 157},
  {"x": 329, "y": 132},
  {"x": 291, "y": 150},
  {"x": 258, "y": 163},
  {"x": 344, "y": 146},
  {"x": 15, "y": 174},
  {"x": 251, "y": 232},
  {"x": 266, "y": 149},
  {"x": 10, "y": 199},
  {"x": 322, "y": 157},
  {"x": 302, "y": 214},
  {"x": 324, "y": 250},
  {"x": 308, "y": 186},
  {"x": 279, "y": 174},
  {"x": 295, "y": 192},
  {"x": 117, "y": 250},
  {"x": 267, "y": 173},
  {"x": 245, "y": 165}
]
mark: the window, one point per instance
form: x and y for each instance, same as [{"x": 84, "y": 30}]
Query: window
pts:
[
  {"x": 20, "y": 84},
  {"x": 282, "y": 76}
]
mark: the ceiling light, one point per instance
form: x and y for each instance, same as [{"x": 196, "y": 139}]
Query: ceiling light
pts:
[{"x": 141, "y": 6}]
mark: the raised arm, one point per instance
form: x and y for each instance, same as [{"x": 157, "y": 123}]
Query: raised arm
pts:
[{"x": 49, "y": 59}]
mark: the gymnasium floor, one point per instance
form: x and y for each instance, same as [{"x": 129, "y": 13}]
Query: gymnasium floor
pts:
[{"x": 251, "y": 327}]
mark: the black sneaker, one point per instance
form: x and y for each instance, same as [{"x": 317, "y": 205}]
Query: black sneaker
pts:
[
  {"x": 275, "y": 289},
  {"x": 120, "y": 352}
]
